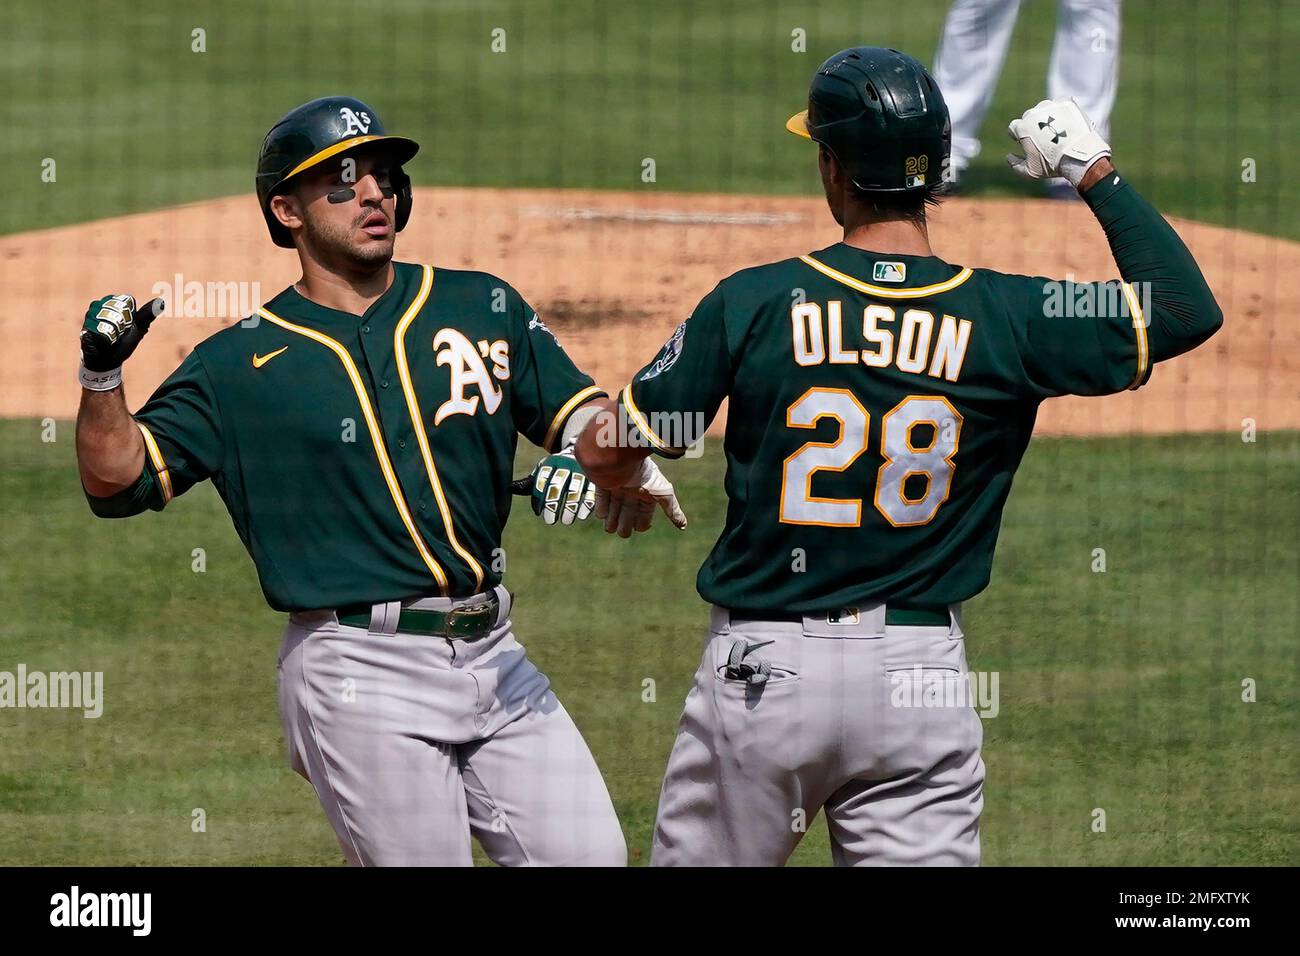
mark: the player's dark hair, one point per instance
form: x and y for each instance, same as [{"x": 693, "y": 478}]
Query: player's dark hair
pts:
[
  {"x": 908, "y": 206},
  {"x": 886, "y": 207}
]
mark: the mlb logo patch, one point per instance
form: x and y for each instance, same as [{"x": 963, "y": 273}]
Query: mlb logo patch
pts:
[
  {"x": 915, "y": 181},
  {"x": 889, "y": 272},
  {"x": 845, "y": 615}
]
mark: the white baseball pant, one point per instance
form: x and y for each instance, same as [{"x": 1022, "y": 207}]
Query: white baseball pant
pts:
[
  {"x": 1084, "y": 63},
  {"x": 413, "y": 743},
  {"x": 839, "y": 726}
]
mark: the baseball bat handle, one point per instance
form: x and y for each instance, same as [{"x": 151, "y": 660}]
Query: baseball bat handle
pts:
[{"x": 522, "y": 486}]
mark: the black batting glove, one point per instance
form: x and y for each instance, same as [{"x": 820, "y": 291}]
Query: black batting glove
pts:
[{"x": 113, "y": 327}]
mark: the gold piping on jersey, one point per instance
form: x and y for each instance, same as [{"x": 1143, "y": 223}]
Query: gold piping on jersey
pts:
[
  {"x": 881, "y": 291},
  {"x": 385, "y": 465},
  {"x": 159, "y": 465},
  {"x": 1140, "y": 327},
  {"x": 413, "y": 405},
  {"x": 639, "y": 420},
  {"x": 591, "y": 391}
]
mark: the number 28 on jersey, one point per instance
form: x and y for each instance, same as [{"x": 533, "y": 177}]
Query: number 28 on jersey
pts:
[{"x": 916, "y": 477}]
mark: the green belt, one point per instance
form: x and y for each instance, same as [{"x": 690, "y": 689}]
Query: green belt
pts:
[
  {"x": 937, "y": 616},
  {"x": 917, "y": 615},
  {"x": 467, "y": 623}
]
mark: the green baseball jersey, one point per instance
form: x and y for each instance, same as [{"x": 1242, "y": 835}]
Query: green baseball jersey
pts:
[
  {"x": 880, "y": 404},
  {"x": 365, "y": 458}
]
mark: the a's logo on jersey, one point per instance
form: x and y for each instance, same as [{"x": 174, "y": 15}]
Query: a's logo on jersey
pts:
[
  {"x": 468, "y": 369},
  {"x": 889, "y": 272},
  {"x": 667, "y": 355},
  {"x": 358, "y": 123}
]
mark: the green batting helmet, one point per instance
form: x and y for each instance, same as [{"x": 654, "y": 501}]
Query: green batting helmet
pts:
[
  {"x": 314, "y": 132},
  {"x": 881, "y": 115}
]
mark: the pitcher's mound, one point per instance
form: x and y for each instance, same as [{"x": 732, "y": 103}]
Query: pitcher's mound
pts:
[{"x": 614, "y": 273}]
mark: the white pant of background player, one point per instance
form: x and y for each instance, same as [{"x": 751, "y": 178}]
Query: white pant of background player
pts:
[
  {"x": 835, "y": 728},
  {"x": 413, "y": 742},
  {"x": 1084, "y": 64}
]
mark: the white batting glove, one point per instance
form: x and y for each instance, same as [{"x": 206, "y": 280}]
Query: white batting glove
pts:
[
  {"x": 1058, "y": 140},
  {"x": 632, "y": 507}
]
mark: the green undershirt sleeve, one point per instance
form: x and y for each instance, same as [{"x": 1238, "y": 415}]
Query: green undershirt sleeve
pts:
[
  {"x": 144, "y": 495},
  {"x": 1154, "y": 260}
]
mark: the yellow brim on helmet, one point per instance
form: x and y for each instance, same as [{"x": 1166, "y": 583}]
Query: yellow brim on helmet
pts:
[
  {"x": 404, "y": 146},
  {"x": 798, "y": 124}
]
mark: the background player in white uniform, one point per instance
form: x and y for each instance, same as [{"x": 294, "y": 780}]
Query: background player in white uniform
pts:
[{"x": 973, "y": 49}]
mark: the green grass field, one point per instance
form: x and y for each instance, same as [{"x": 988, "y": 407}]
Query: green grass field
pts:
[
  {"x": 1119, "y": 690},
  {"x": 585, "y": 90}
]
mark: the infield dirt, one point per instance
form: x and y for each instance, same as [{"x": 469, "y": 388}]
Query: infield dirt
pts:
[{"x": 614, "y": 273}]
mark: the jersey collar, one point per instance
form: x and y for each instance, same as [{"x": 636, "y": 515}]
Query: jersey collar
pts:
[
  {"x": 888, "y": 275},
  {"x": 292, "y": 304}
]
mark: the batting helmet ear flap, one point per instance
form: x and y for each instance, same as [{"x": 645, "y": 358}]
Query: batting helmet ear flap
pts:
[{"x": 402, "y": 188}]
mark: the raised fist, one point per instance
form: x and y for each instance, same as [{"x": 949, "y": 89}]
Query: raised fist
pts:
[
  {"x": 113, "y": 327},
  {"x": 1058, "y": 140}
]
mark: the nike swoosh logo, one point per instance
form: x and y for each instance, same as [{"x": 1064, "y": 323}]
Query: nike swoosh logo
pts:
[{"x": 260, "y": 360}]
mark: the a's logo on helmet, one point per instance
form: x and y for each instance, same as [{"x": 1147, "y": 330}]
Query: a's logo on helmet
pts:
[{"x": 358, "y": 123}]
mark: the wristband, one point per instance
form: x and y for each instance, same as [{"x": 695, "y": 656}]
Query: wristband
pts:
[
  {"x": 1073, "y": 170},
  {"x": 100, "y": 381},
  {"x": 578, "y": 420}
]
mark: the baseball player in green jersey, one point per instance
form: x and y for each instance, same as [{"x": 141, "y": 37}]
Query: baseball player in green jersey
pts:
[
  {"x": 361, "y": 429},
  {"x": 880, "y": 402}
]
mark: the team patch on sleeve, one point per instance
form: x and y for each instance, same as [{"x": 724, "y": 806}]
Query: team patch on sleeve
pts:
[
  {"x": 667, "y": 356},
  {"x": 536, "y": 324}
]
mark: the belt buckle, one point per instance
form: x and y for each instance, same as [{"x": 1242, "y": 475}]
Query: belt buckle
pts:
[{"x": 470, "y": 621}]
